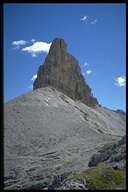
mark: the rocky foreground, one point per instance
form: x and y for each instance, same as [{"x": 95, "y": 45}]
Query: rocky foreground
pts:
[
  {"x": 110, "y": 174},
  {"x": 113, "y": 155}
]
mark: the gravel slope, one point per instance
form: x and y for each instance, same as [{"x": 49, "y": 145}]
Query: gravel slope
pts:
[{"x": 47, "y": 133}]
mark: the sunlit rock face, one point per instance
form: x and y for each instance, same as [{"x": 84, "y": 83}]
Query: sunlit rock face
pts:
[{"x": 61, "y": 71}]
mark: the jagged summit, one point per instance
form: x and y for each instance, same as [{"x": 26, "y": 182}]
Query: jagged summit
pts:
[{"x": 61, "y": 71}]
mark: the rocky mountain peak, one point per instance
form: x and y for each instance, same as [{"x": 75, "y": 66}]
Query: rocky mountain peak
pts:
[
  {"x": 59, "y": 43},
  {"x": 61, "y": 71}
]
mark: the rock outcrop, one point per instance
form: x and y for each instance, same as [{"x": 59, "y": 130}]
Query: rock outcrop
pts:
[
  {"x": 121, "y": 112},
  {"x": 61, "y": 71},
  {"x": 114, "y": 155}
]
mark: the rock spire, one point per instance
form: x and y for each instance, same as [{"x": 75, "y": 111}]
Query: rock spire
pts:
[{"x": 61, "y": 71}]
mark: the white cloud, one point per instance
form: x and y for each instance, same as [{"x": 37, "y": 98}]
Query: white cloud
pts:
[
  {"x": 85, "y": 18},
  {"x": 88, "y": 72},
  {"x": 33, "y": 40},
  {"x": 85, "y": 64},
  {"x": 37, "y": 47},
  {"x": 34, "y": 77},
  {"x": 94, "y": 22},
  {"x": 89, "y": 20},
  {"x": 20, "y": 42},
  {"x": 14, "y": 48},
  {"x": 120, "y": 81},
  {"x": 17, "y": 44}
]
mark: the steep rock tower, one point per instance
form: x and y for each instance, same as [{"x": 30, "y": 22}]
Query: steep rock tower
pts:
[{"x": 61, "y": 71}]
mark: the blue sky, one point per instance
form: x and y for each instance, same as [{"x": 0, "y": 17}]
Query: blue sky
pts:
[{"x": 95, "y": 35}]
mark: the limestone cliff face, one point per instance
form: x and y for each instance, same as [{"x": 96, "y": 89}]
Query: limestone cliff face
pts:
[{"x": 61, "y": 71}]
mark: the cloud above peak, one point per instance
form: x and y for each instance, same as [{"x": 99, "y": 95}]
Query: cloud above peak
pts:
[
  {"x": 120, "y": 81},
  {"x": 85, "y": 18},
  {"x": 37, "y": 48},
  {"x": 86, "y": 64},
  {"x": 88, "y": 72},
  {"x": 17, "y": 44},
  {"x": 20, "y": 42},
  {"x": 94, "y": 22},
  {"x": 88, "y": 20},
  {"x": 33, "y": 40}
]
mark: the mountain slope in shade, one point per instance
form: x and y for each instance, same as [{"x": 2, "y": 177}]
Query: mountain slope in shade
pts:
[{"x": 47, "y": 133}]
